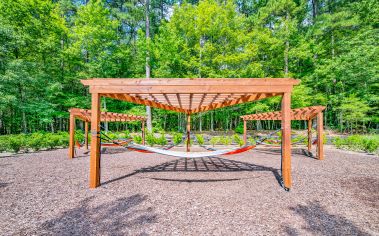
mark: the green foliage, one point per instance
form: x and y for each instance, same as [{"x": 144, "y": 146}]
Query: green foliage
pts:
[
  {"x": 137, "y": 139},
  {"x": 37, "y": 141},
  {"x": 177, "y": 138},
  {"x": 200, "y": 139},
  {"x": 252, "y": 141},
  {"x": 237, "y": 139},
  {"x": 161, "y": 140},
  {"x": 15, "y": 143},
  {"x": 46, "y": 47},
  {"x": 150, "y": 139},
  {"x": 225, "y": 140},
  {"x": 239, "y": 129},
  {"x": 368, "y": 143},
  {"x": 214, "y": 140}
]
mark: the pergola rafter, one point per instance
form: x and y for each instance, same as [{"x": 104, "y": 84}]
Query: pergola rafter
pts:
[
  {"x": 85, "y": 115},
  {"x": 189, "y": 96},
  {"x": 304, "y": 113}
]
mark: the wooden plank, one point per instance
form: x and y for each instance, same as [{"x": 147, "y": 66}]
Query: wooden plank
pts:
[
  {"x": 94, "y": 174},
  {"x": 244, "y": 132},
  {"x": 309, "y": 135},
  {"x": 71, "y": 146},
  {"x": 286, "y": 140},
  {"x": 320, "y": 138},
  {"x": 109, "y": 89},
  {"x": 143, "y": 132},
  {"x": 86, "y": 135},
  {"x": 188, "y": 132},
  {"x": 189, "y": 82}
]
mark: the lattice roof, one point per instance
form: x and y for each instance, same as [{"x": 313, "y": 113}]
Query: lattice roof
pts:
[
  {"x": 85, "y": 115},
  {"x": 190, "y": 95},
  {"x": 304, "y": 113}
]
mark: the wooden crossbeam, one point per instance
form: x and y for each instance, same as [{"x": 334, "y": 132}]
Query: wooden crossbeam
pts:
[
  {"x": 304, "y": 113},
  {"x": 85, "y": 115}
]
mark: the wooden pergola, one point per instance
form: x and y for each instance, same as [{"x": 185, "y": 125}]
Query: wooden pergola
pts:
[
  {"x": 304, "y": 113},
  {"x": 190, "y": 96},
  {"x": 85, "y": 115}
]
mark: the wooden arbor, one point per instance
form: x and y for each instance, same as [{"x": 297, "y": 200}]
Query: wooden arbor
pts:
[
  {"x": 85, "y": 115},
  {"x": 305, "y": 113},
  {"x": 189, "y": 96}
]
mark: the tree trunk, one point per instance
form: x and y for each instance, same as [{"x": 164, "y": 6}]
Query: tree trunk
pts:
[
  {"x": 147, "y": 24},
  {"x": 286, "y": 47}
]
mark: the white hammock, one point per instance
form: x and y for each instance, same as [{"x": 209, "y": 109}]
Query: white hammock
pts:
[{"x": 190, "y": 154}]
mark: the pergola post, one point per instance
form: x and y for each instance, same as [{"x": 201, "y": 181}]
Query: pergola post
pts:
[
  {"x": 244, "y": 132},
  {"x": 143, "y": 132},
  {"x": 309, "y": 135},
  {"x": 86, "y": 135},
  {"x": 94, "y": 174},
  {"x": 71, "y": 146},
  {"x": 320, "y": 136},
  {"x": 188, "y": 132},
  {"x": 286, "y": 140}
]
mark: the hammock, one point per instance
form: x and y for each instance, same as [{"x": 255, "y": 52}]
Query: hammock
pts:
[{"x": 141, "y": 148}]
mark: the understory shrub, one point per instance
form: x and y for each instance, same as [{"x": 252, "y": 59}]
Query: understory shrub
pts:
[
  {"x": 177, "y": 138},
  {"x": 137, "y": 139},
  {"x": 214, "y": 140},
  {"x": 150, "y": 139},
  {"x": 239, "y": 129},
  {"x": 15, "y": 143},
  {"x": 225, "y": 140},
  {"x": 252, "y": 141},
  {"x": 368, "y": 143},
  {"x": 200, "y": 139},
  {"x": 237, "y": 139},
  {"x": 161, "y": 140}
]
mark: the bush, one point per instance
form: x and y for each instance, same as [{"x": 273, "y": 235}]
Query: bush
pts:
[
  {"x": 15, "y": 143},
  {"x": 368, "y": 143},
  {"x": 137, "y": 139},
  {"x": 161, "y": 140},
  {"x": 214, "y": 140},
  {"x": 238, "y": 140},
  {"x": 37, "y": 141},
  {"x": 252, "y": 141},
  {"x": 4, "y": 144},
  {"x": 200, "y": 139},
  {"x": 52, "y": 141},
  {"x": 127, "y": 134},
  {"x": 239, "y": 129},
  {"x": 177, "y": 138},
  {"x": 226, "y": 140},
  {"x": 150, "y": 139}
]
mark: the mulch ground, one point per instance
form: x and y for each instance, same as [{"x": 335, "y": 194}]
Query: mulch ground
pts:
[{"x": 46, "y": 193}]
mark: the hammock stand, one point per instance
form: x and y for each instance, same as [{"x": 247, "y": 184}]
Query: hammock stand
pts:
[
  {"x": 189, "y": 96},
  {"x": 305, "y": 113}
]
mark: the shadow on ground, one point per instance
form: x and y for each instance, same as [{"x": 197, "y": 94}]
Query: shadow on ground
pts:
[
  {"x": 207, "y": 164},
  {"x": 320, "y": 222},
  {"x": 119, "y": 217},
  {"x": 295, "y": 151}
]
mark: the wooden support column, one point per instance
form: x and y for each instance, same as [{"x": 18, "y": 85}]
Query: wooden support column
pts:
[
  {"x": 188, "y": 132},
  {"x": 94, "y": 174},
  {"x": 286, "y": 140},
  {"x": 86, "y": 135},
  {"x": 71, "y": 146},
  {"x": 244, "y": 132},
  {"x": 143, "y": 132},
  {"x": 320, "y": 136},
  {"x": 309, "y": 135}
]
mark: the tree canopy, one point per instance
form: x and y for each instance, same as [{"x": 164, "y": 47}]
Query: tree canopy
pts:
[{"x": 46, "y": 47}]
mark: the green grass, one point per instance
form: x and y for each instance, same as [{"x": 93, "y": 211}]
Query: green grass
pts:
[{"x": 367, "y": 143}]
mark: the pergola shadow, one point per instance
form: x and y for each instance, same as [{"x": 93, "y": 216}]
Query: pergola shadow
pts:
[
  {"x": 295, "y": 151},
  {"x": 206, "y": 164}
]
